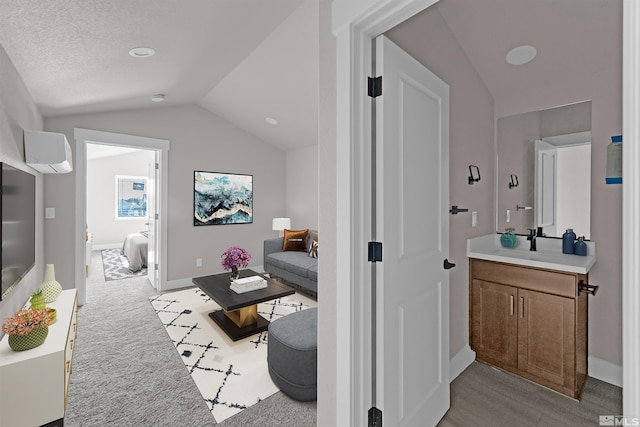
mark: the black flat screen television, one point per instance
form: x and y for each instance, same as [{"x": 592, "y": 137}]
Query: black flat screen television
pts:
[{"x": 18, "y": 206}]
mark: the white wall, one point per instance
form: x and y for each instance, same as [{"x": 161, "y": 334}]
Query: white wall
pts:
[
  {"x": 302, "y": 187},
  {"x": 17, "y": 113},
  {"x": 574, "y": 170},
  {"x": 101, "y": 197},
  {"x": 199, "y": 141}
]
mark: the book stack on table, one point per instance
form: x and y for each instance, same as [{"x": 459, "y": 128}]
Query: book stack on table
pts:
[{"x": 247, "y": 284}]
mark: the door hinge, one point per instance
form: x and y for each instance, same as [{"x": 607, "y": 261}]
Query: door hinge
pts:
[
  {"x": 157, "y": 166},
  {"x": 375, "y": 417},
  {"x": 156, "y": 267},
  {"x": 157, "y": 216},
  {"x": 375, "y": 251},
  {"x": 375, "y": 86}
]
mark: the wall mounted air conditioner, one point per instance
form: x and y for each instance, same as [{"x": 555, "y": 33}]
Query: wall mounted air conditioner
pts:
[{"x": 47, "y": 152}]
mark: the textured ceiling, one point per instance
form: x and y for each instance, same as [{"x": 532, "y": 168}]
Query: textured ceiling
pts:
[
  {"x": 73, "y": 54},
  {"x": 246, "y": 60}
]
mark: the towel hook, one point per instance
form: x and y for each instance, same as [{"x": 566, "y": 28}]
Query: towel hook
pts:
[
  {"x": 474, "y": 177},
  {"x": 514, "y": 182}
]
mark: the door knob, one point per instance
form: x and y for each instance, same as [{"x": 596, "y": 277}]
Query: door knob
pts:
[{"x": 448, "y": 265}]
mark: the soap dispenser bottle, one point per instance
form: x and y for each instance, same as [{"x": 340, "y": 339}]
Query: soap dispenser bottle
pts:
[
  {"x": 580, "y": 247},
  {"x": 568, "y": 239},
  {"x": 508, "y": 239}
]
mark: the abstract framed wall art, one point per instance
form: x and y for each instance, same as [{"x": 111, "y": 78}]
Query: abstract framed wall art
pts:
[
  {"x": 222, "y": 198},
  {"x": 131, "y": 197}
]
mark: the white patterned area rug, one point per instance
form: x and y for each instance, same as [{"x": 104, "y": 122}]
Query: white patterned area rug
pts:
[
  {"x": 231, "y": 376},
  {"x": 116, "y": 266}
]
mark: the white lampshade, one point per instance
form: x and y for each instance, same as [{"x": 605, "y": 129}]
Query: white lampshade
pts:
[{"x": 281, "y": 223}]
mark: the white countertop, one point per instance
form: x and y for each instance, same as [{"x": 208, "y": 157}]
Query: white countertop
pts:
[{"x": 548, "y": 255}]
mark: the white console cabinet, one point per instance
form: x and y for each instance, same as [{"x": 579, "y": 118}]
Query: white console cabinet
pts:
[{"x": 34, "y": 383}]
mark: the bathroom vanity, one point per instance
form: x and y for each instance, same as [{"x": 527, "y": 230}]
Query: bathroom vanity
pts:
[{"x": 528, "y": 311}]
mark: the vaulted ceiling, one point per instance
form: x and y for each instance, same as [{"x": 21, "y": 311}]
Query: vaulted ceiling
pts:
[
  {"x": 246, "y": 60},
  {"x": 572, "y": 38}
]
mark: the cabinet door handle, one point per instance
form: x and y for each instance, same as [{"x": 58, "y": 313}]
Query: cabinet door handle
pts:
[
  {"x": 521, "y": 306},
  {"x": 512, "y": 305}
]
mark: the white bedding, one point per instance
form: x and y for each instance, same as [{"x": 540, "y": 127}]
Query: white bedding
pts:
[{"x": 135, "y": 249}]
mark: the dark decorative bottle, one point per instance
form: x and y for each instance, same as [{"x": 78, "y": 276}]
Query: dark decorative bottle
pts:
[
  {"x": 568, "y": 239},
  {"x": 580, "y": 247}
]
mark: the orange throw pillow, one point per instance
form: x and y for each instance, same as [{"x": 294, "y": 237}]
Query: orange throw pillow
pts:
[{"x": 295, "y": 240}]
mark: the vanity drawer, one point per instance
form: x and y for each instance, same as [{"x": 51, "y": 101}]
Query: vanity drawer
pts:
[{"x": 550, "y": 282}]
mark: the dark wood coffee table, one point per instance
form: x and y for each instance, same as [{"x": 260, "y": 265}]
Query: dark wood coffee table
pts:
[{"x": 239, "y": 316}]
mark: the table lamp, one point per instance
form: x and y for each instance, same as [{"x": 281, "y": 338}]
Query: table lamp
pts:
[{"x": 280, "y": 224}]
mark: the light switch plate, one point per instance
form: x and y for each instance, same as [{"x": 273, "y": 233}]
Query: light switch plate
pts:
[
  {"x": 474, "y": 219},
  {"x": 49, "y": 213}
]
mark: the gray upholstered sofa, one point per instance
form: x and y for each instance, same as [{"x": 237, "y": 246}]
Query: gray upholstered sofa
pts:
[{"x": 296, "y": 267}]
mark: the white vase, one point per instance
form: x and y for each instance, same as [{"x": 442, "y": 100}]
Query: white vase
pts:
[{"x": 51, "y": 289}]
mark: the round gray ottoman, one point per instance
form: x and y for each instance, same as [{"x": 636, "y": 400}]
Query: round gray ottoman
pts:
[{"x": 292, "y": 354}]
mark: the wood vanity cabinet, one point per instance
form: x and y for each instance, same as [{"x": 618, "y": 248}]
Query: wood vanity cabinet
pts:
[{"x": 531, "y": 322}]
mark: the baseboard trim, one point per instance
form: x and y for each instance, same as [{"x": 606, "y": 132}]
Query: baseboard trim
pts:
[
  {"x": 460, "y": 362},
  {"x": 106, "y": 246},
  {"x": 171, "y": 285},
  {"x": 605, "y": 371}
]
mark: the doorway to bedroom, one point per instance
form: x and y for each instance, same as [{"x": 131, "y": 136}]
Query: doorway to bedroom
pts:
[
  {"x": 119, "y": 198},
  {"x": 130, "y": 187}
]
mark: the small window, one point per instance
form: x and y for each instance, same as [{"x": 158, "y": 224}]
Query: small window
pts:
[{"x": 131, "y": 197}]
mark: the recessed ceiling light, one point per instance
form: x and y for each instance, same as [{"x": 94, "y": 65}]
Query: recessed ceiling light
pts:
[
  {"x": 158, "y": 98},
  {"x": 271, "y": 121},
  {"x": 142, "y": 52},
  {"x": 521, "y": 55}
]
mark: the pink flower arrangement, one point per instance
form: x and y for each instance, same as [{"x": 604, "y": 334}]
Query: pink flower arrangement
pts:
[
  {"x": 235, "y": 257},
  {"x": 25, "y": 321}
]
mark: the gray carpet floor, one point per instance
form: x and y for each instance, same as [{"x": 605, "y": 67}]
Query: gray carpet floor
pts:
[{"x": 126, "y": 371}]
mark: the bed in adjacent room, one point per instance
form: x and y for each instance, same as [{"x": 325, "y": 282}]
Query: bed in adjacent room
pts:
[{"x": 135, "y": 248}]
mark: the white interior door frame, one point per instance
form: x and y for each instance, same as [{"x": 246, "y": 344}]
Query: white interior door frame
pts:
[
  {"x": 84, "y": 136},
  {"x": 631, "y": 208},
  {"x": 354, "y": 25}
]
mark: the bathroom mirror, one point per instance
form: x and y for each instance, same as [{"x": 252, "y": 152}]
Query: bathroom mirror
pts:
[{"x": 548, "y": 154}]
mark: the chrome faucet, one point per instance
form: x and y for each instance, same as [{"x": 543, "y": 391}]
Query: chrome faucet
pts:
[{"x": 532, "y": 239}]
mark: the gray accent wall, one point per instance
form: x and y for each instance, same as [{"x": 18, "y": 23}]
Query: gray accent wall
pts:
[
  {"x": 427, "y": 37},
  {"x": 199, "y": 141},
  {"x": 17, "y": 113},
  {"x": 302, "y": 188},
  {"x": 604, "y": 89},
  {"x": 327, "y": 222}
]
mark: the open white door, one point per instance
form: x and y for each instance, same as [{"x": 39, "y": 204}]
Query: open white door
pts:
[
  {"x": 545, "y": 187},
  {"x": 152, "y": 210},
  {"x": 412, "y": 193}
]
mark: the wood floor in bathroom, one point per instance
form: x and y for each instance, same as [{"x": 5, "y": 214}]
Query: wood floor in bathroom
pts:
[{"x": 486, "y": 396}]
